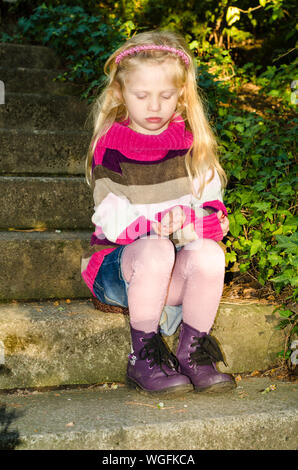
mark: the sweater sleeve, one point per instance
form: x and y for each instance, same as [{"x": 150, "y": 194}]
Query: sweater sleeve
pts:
[
  {"x": 115, "y": 217},
  {"x": 196, "y": 224},
  {"x": 120, "y": 221}
]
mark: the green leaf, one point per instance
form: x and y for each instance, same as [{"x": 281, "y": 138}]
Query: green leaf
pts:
[
  {"x": 240, "y": 219},
  {"x": 262, "y": 206},
  {"x": 290, "y": 244},
  {"x": 235, "y": 228},
  {"x": 240, "y": 127},
  {"x": 285, "y": 313},
  {"x": 279, "y": 231},
  {"x": 255, "y": 246},
  {"x": 284, "y": 278},
  {"x": 243, "y": 267},
  {"x": 274, "y": 259},
  {"x": 233, "y": 15},
  {"x": 231, "y": 257}
]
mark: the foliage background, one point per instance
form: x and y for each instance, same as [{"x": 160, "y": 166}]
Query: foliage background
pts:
[{"x": 247, "y": 66}]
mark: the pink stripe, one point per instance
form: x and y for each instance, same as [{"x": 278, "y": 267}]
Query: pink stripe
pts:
[
  {"x": 98, "y": 154},
  {"x": 136, "y": 229},
  {"x": 216, "y": 204},
  {"x": 90, "y": 273}
]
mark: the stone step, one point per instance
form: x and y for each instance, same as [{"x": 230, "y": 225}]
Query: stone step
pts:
[
  {"x": 123, "y": 420},
  {"x": 42, "y": 265},
  {"x": 23, "y": 55},
  {"x": 30, "y": 80},
  {"x": 43, "y": 151},
  {"x": 51, "y": 343},
  {"x": 42, "y": 111},
  {"x": 60, "y": 202}
]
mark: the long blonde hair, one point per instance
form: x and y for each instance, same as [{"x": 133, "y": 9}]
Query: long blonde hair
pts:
[{"x": 109, "y": 106}]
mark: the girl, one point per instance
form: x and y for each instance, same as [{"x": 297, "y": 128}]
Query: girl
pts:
[{"x": 157, "y": 187}]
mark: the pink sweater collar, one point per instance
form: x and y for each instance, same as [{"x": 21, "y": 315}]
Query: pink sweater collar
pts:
[{"x": 121, "y": 137}]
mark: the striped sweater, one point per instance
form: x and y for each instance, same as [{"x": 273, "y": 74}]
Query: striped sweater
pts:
[{"x": 136, "y": 180}]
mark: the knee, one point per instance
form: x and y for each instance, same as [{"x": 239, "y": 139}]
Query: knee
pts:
[
  {"x": 157, "y": 255},
  {"x": 207, "y": 257}
]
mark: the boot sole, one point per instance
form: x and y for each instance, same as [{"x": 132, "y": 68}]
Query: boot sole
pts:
[
  {"x": 217, "y": 388},
  {"x": 170, "y": 392}
]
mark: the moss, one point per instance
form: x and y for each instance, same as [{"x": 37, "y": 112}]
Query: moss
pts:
[{"x": 14, "y": 343}]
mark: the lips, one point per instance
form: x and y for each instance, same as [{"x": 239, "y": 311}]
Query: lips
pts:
[{"x": 153, "y": 119}]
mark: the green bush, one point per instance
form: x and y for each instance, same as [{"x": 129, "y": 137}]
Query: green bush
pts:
[
  {"x": 258, "y": 155},
  {"x": 277, "y": 81}
]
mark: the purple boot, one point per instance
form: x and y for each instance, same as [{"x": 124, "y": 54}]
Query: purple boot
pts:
[
  {"x": 197, "y": 354},
  {"x": 153, "y": 368}
]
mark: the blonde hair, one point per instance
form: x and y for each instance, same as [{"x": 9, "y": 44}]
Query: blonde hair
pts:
[{"x": 109, "y": 106}]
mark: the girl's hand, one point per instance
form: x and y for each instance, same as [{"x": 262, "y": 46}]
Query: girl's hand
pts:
[
  {"x": 224, "y": 222},
  {"x": 171, "y": 222}
]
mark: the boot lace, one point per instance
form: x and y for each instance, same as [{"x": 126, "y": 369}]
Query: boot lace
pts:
[
  {"x": 207, "y": 351},
  {"x": 157, "y": 352}
]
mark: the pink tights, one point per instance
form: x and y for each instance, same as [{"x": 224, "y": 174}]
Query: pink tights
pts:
[{"x": 194, "y": 280}]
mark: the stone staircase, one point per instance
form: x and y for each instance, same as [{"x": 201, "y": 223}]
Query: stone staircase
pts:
[
  {"x": 50, "y": 334},
  {"x": 45, "y": 225},
  {"x": 43, "y": 143}
]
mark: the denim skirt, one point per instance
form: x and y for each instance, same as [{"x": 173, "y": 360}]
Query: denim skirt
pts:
[{"x": 111, "y": 288}]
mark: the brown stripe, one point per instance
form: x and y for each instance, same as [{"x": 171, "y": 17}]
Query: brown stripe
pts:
[
  {"x": 138, "y": 174},
  {"x": 142, "y": 194}
]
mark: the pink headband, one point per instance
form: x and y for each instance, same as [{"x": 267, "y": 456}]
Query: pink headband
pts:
[{"x": 135, "y": 50}]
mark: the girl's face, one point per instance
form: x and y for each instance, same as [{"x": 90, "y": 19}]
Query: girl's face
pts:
[{"x": 151, "y": 96}]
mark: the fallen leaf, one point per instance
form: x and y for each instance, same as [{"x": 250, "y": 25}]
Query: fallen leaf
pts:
[
  {"x": 255, "y": 373},
  {"x": 238, "y": 378},
  {"x": 70, "y": 424},
  {"x": 68, "y": 301},
  {"x": 39, "y": 229}
]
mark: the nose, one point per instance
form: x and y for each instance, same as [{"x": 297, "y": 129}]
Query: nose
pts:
[{"x": 154, "y": 103}]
